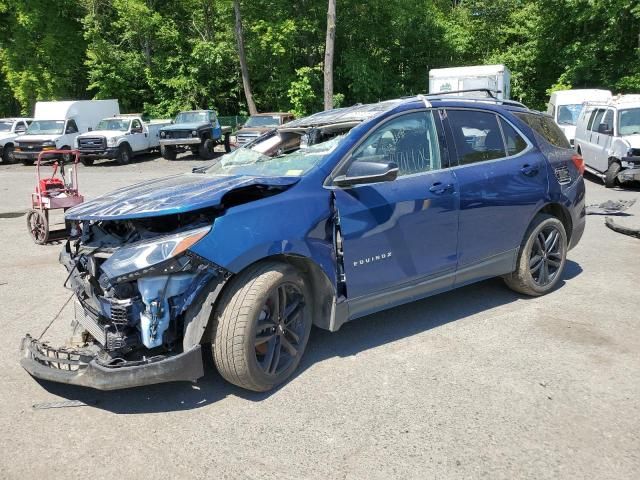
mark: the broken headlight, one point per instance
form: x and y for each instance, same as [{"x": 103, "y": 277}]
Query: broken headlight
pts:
[{"x": 142, "y": 256}]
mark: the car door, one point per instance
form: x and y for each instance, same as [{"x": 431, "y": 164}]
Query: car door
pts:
[
  {"x": 502, "y": 181},
  {"x": 138, "y": 136},
  {"x": 605, "y": 136},
  {"x": 399, "y": 233},
  {"x": 590, "y": 147}
]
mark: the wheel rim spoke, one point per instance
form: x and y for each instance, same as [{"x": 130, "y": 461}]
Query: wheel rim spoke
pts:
[
  {"x": 263, "y": 339},
  {"x": 288, "y": 346},
  {"x": 534, "y": 263}
]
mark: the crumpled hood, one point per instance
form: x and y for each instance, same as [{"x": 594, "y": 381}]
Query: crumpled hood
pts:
[
  {"x": 167, "y": 196},
  {"x": 185, "y": 126}
]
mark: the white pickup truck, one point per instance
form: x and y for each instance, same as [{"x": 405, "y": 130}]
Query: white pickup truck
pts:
[
  {"x": 120, "y": 137},
  {"x": 10, "y": 129}
]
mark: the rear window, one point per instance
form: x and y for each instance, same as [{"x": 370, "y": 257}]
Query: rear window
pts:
[{"x": 545, "y": 127}]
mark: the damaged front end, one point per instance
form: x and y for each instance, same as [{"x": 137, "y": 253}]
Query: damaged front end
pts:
[{"x": 135, "y": 285}]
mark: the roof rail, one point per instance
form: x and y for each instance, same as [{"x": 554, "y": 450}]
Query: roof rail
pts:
[{"x": 489, "y": 98}]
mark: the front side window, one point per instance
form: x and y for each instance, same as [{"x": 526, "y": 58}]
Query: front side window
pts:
[
  {"x": 477, "y": 136},
  {"x": 568, "y": 114},
  {"x": 629, "y": 121},
  {"x": 606, "y": 124},
  {"x": 136, "y": 125},
  {"x": 71, "y": 127},
  {"x": 410, "y": 141}
]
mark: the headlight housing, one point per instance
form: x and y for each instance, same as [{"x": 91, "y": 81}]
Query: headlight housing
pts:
[
  {"x": 163, "y": 134},
  {"x": 112, "y": 141},
  {"x": 48, "y": 143},
  {"x": 147, "y": 256},
  {"x": 194, "y": 133}
]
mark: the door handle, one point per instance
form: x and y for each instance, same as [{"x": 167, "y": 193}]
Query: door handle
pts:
[
  {"x": 529, "y": 170},
  {"x": 439, "y": 188}
]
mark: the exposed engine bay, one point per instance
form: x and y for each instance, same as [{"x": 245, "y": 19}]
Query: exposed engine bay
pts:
[{"x": 133, "y": 282}]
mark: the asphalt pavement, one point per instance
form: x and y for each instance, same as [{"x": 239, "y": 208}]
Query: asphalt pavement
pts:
[{"x": 475, "y": 383}]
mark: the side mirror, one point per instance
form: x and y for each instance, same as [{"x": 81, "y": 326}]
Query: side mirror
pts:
[
  {"x": 604, "y": 128},
  {"x": 367, "y": 172},
  {"x": 239, "y": 126}
]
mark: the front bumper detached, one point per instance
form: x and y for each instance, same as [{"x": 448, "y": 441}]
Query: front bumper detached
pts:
[
  {"x": 80, "y": 367},
  {"x": 629, "y": 175}
]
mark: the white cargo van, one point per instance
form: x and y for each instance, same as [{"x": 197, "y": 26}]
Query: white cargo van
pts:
[
  {"x": 496, "y": 78},
  {"x": 57, "y": 124},
  {"x": 565, "y": 107},
  {"x": 608, "y": 138},
  {"x": 120, "y": 137}
]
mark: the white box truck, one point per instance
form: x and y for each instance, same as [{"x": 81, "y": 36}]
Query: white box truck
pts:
[
  {"x": 565, "y": 107},
  {"x": 57, "y": 124},
  {"x": 496, "y": 78},
  {"x": 120, "y": 137}
]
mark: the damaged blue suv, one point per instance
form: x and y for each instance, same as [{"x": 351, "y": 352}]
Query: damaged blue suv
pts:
[{"x": 321, "y": 221}]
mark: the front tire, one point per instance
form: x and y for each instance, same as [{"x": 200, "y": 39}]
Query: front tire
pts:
[
  {"x": 261, "y": 326},
  {"x": 611, "y": 175},
  {"x": 542, "y": 257},
  {"x": 124, "y": 154},
  {"x": 7, "y": 154},
  {"x": 87, "y": 162},
  {"x": 168, "y": 152},
  {"x": 227, "y": 143},
  {"x": 206, "y": 149}
]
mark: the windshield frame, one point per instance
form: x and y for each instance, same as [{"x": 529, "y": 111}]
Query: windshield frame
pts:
[
  {"x": 46, "y": 132},
  {"x": 205, "y": 113},
  {"x": 273, "y": 118},
  {"x": 619, "y": 123}
]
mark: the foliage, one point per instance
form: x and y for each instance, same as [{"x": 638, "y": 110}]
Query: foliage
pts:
[{"x": 161, "y": 56}]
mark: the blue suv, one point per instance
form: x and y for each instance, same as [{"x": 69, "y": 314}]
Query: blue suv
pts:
[{"x": 374, "y": 206}]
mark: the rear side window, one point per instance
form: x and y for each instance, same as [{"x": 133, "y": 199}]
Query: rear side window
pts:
[
  {"x": 515, "y": 143},
  {"x": 545, "y": 127},
  {"x": 477, "y": 136}
]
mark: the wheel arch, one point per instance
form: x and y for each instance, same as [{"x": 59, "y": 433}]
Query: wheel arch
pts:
[{"x": 560, "y": 212}]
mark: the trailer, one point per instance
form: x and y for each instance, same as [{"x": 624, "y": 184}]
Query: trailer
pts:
[{"x": 496, "y": 78}]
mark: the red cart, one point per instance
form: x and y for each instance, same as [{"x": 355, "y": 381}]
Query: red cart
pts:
[{"x": 54, "y": 192}]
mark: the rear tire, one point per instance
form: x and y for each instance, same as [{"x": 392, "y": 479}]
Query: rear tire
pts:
[
  {"x": 542, "y": 257},
  {"x": 611, "y": 175},
  {"x": 124, "y": 154},
  {"x": 7, "y": 154},
  {"x": 206, "y": 149},
  {"x": 168, "y": 152},
  {"x": 27, "y": 162},
  {"x": 227, "y": 143},
  {"x": 87, "y": 162},
  {"x": 261, "y": 326}
]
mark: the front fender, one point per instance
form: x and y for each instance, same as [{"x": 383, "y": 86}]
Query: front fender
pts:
[{"x": 295, "y": 222}]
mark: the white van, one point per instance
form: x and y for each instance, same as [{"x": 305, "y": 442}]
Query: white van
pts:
[
  {"x": 608, "y": 138},
  {"x": 496, "y": 78},
  {"x": 57, "y": 124},
  {"x": 565, "y": 107}
]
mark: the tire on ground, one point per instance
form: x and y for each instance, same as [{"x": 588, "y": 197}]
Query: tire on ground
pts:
[
  {"x": 168, "y": 152},
  {"x": 521, "y": 280},
  {"x": 124, "y": 154},
  {"x": 205, "y": 151},
  {"x": 235, "y": 319},
  {"x": 7, "y": 154},
  {"x": 227, "y": 143},
  {"x": 611, "y": 175},
  {"x": 87, "y": 162}
]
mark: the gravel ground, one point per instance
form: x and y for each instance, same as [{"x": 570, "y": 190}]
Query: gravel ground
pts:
[{"x": 475, "y": 383}]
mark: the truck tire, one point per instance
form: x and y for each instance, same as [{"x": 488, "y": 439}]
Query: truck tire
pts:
[
  {"x": 168, "y": 152},
  {"x": 7, "y": 154},
  {"x": 27, "y": 162},
  {"x": 261, "y": 326},
  {"x": 206, "y": 151},
  {"x": 541, "y": 259},
  {"x": 227, "y": 143},
  {"x": 87, "y": 162},
  {"x": 611, "y": 175},
  {"x": 66, "y": 157},
  {"x": 124, "y": 154}
]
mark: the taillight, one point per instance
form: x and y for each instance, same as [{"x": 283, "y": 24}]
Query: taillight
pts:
[{"x": 578, "y": 161}]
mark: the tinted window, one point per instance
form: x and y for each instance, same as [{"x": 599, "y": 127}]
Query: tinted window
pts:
[
  {"x": 477, "y": 136},
  {"x": 597, "y": 119},
  {"x": 136, "y": 125},
  {"x": 71, "y": 127},
  {"x": 546, "y": 128},
  {"x": 410, "y": 141},
  {"x": 607, "y": 120},
  {"x": 515, "y": 143}
]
